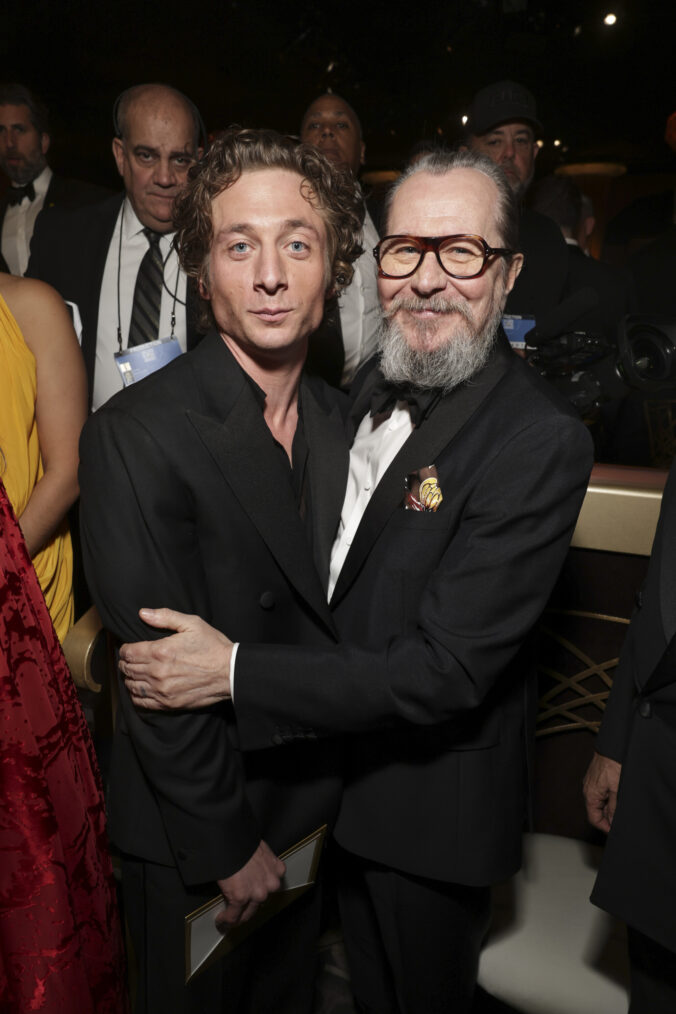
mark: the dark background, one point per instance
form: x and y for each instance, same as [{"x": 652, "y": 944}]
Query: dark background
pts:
[{"x": 409, "y": 69}]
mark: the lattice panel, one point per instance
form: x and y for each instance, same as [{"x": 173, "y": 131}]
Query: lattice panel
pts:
[{"x": 576, "y": 658}]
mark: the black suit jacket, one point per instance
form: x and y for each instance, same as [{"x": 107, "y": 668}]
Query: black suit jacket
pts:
[
  {"x": 433, "y": 609},
  {"x": 637, "y": 879},
  {"x": 613, "y": 287},
  {"x": 542, "y": 280},
  {"x": 186, "y": 501},
  {"x": 69, "y": 250},
  {"x": 61, "y": 193}
]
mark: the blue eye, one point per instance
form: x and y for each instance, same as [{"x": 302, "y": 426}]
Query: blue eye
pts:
[
  {"x": 297, "y": 246},
  {"x": 240, "y": 247}
]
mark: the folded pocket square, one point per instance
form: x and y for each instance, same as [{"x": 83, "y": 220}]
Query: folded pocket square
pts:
[{"x": 423, "y": 492}]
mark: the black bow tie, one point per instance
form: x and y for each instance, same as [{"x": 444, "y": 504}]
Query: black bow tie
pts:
[
  {"x": 15, "y": 195},
  {"x": 420, "y": 403}
]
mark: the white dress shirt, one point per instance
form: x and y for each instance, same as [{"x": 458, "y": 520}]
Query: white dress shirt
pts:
[
  {"x": 19, "y": 223},
  {"x": 126, "y": 258},
  {"x": 359, "y": 307},
  {"x": 377, "y": 442}
]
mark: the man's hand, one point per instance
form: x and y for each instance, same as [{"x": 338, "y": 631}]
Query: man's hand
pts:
[
  {"x": 600, "y": 791},
  {"x": 245, "y": 890},
  {"x": 188, "y": 669}
]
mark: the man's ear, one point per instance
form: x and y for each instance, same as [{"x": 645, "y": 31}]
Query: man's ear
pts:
[
  {"x": 118, "y": 154},
  {"x": 45, "y": 140},
  {"x": 362, "y": 157},
  {"x": 513, "y": 271},
  {"x": 203, "y": 289}
]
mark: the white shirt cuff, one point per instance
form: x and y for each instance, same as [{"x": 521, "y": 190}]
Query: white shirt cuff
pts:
[{"x": 233, "y": 656}]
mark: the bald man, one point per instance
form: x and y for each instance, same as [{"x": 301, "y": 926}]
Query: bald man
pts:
[
  {"x": 347, "y": 335},
  {"x": 114, "y": 262}
]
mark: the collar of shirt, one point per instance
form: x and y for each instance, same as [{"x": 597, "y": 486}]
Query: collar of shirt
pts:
[
  {"x": 19, "y": 222},
  {"x": 132, "y": 232}
]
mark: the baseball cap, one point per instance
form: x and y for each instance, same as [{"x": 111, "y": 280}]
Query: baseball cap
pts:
[{"x": 499, "y": 103}]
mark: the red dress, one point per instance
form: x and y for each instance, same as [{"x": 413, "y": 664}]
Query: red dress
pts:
[{"x": 60, "y": 941}]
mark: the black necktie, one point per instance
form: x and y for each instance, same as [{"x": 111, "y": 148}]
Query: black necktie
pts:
[
  {"x": 15, "y": 195},
  {"x": 420, "y": 403},
  {"x": 145, "y": 312}
]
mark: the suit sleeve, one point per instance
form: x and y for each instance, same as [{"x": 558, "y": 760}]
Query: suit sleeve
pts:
[
  {"x": 140, "y": 548},
  {"x": 477, "y": 603}
]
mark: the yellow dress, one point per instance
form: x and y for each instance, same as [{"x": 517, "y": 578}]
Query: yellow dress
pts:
[{"x": 21, "y": 465}]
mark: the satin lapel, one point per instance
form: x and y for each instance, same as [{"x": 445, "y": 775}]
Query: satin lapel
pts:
[
  {"x": 422, "y": 448},
  {"x": 242, "y": 449},
  {"x": 328, "y": 466}
]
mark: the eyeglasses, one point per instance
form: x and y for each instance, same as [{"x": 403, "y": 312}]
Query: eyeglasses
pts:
[{"x": 459, "y": 256}]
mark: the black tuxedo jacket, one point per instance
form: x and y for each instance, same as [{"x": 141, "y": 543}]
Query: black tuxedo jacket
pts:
[
  {"x": 637, "y": 879},
  {"x": 433, "y": 609},
  {"x": 69, "y": 250},
  {"x": 63, "y": 193},
  {"x": 186, "y": 501}
]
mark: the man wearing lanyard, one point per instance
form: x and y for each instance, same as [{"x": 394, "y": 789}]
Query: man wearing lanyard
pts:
[{"x": 114, "y": 262}]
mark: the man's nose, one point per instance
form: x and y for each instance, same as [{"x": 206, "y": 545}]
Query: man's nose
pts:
[
  {"x": 165, "y": 174},
  {"x": 430, "y": 276},
  {"x": 270, "y": 270}
]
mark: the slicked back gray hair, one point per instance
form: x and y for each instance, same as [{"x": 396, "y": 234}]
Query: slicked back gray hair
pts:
[{"x": 439, "y": 163}]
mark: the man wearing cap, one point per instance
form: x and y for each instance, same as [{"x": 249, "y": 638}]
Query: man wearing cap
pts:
[{"x": 502, "y": 123}]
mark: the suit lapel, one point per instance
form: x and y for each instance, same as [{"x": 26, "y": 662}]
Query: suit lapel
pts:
[
  {"x": 422, "y": 448},
  {"x": 242, "y": 448},
  {"x": 328, "y": 465}
]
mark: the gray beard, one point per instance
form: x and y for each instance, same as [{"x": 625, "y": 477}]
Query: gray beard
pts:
[{"x": 445, "y": 366}]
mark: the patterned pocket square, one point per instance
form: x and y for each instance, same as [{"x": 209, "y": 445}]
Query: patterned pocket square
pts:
[{"x": 423, "y": 492}]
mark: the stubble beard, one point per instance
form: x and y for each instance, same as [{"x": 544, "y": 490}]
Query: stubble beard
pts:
[
  {"x": 435, "y": 363},
  {"x": 27, "y": 170}
]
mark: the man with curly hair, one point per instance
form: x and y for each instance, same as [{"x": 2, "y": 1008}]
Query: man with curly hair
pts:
[{"x": 216, "y": 484}]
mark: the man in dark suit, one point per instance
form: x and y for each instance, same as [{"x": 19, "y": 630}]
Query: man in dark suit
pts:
[
  {"x": 560, "y": 199},
  {"x": 24, "y": 143},
  {"x": 217, "y": 482},
  {"x": 459, "y": 507},
  {"x": 502, "y": 124},
  {"x": 93, "y": 256},
  {"x": 630, "y": 786},
  {"x": 347, "y": 335}
]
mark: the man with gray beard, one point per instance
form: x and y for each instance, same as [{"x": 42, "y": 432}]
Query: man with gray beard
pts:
[{"x": 466, "y": 476}]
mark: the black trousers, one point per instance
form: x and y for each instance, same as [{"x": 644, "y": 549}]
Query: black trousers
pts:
[
  {"x": 272, "y": 970},
  {"x": 653, "y": 975},
  {"x": 412, "y": 943}
]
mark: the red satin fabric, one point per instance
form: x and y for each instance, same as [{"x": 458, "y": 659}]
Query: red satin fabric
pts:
[{"x": 60, "y": 941}]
